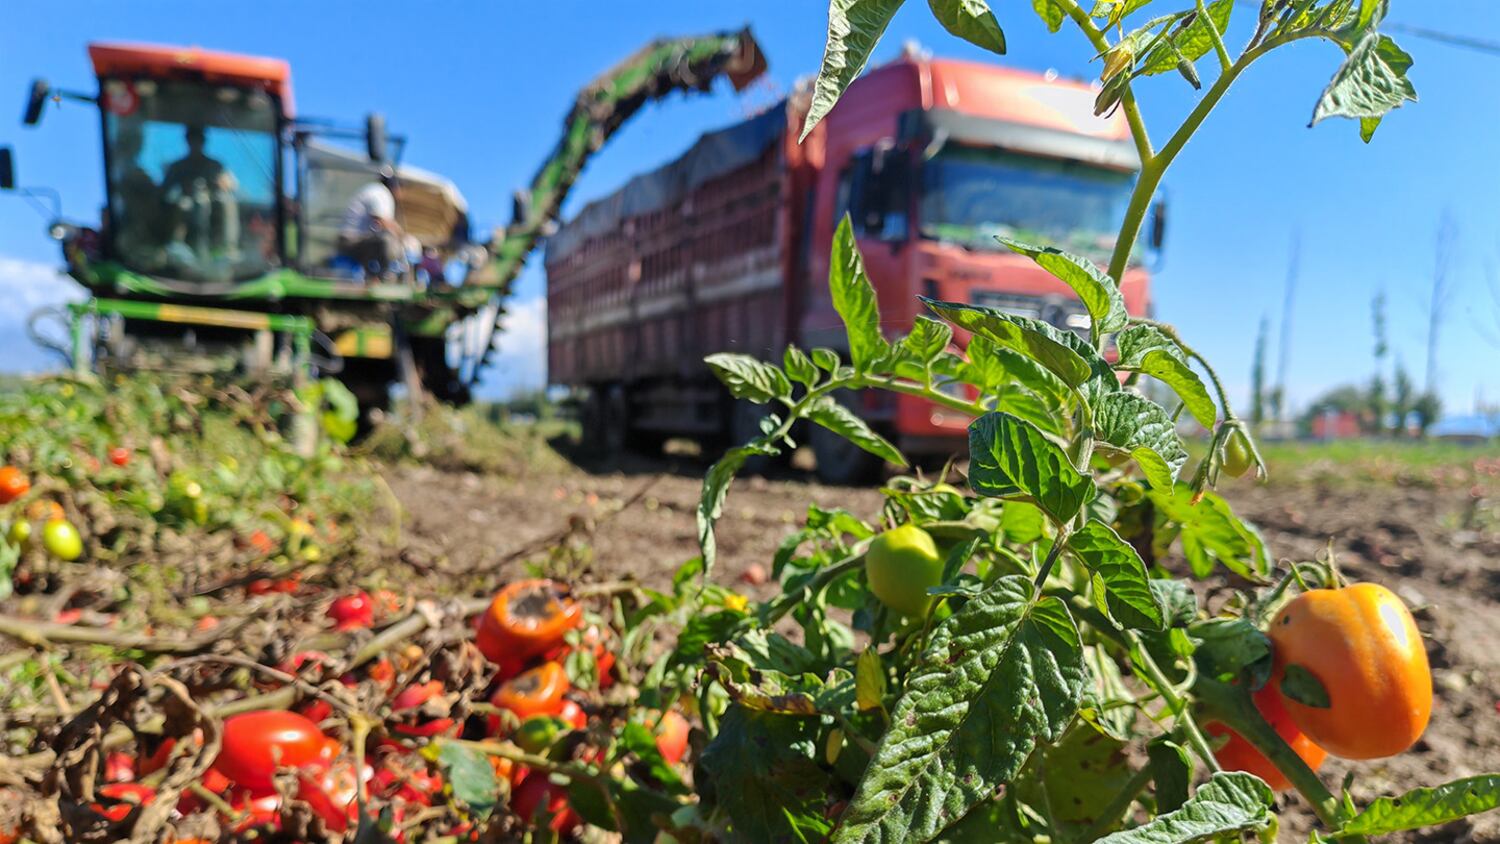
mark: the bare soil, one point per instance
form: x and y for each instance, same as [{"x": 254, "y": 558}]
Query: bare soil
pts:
[{"x": 1409, "y": 538}]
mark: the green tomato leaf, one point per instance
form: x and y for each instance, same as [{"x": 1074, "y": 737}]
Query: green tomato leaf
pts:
[
  {"x": 1193, "y": 41},
  {"x": 869, "y": 680},
  {"x": 1003, "y": 673},
  {"x": 970, "y": 20},
  {"x": 825, "y": 359},
  {"x": 1173, "y": 371},
  {"x": 762, "y": 770},
  {"x": 831, "y": 414},
  {"x": 854, "y": 299},
  {"x": 927, "y": 340},
  {"x": 471, "y": 775},
  {"x": 1177, "y": 600},
  {"x": 1050, "y": 13},
  {"x": 1303, "y": 686},
  {"x": 1011, "y": 458},
  {"x": 1131, "y": 600},
  {"x": 1136, "y": 341},
  {"x": 749, "y": 378},
  {"x": 799, "y": 367},
  {"x": 1107, "y": 703},
  {"x": 711, "y": 501},
  {"x": 1227, "y": 646},
  {"x": 1082, "y": 766},
  {"x": 854, "y": 27},
  {"x": 1030, "y": 337},
  {"x": 1135, "y": 425},
  {"x": 1370, "y": 83},
  {"x": 1227, "y": 804},
  {"x": 1210, "y": 533},
  {"x": 1097, "y": 291},
  {"x": 1427, "y": 806},
  {"x": 1171, "y": 771}
]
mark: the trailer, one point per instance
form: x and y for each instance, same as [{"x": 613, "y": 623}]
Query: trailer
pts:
[{"x": 727, "y": 246}]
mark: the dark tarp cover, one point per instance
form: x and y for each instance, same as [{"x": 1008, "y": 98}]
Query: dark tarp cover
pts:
[{"x": 712, "y": 155}]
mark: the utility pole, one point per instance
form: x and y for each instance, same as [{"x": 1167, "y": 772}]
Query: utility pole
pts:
[
  {"x": 1447, "y": 234},
  {"x": 1284, "y": 353}
]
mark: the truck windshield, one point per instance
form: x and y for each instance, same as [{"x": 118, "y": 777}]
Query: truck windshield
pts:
[
  {"x": 192, "y": 178},
  {"x": 970, "y": 195}
]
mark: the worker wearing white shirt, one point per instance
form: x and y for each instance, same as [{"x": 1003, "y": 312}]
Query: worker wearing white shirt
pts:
[{"x": 370, "y": 235}]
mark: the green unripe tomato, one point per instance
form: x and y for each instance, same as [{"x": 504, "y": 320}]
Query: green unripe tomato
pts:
[
  {"x": 1237, "y": 459},
  {"x": 20, "y": 531},
  {"x": 61, "y": 540},
  {"x": 538, "y": 732},
  {"x": 901, "y": 565}
]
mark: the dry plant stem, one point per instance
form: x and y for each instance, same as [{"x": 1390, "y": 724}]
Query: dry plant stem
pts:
[{"x": 44, "y": 634}]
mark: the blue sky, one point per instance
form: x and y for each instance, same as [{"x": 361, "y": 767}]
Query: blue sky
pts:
[{"x": 480, "y": 89}]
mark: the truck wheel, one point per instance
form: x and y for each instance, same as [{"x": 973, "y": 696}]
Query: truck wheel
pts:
[
  {"x": 744, "y": 426},
  {"x": 840, "y": 462},
  {"x": 604, "y": 422}
]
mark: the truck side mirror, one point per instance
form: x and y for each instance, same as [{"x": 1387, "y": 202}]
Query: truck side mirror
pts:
[
  {"x": 375, "y": 140},
  {"x": 40, "y": 92},
  {"x": 1158, "y": 223},
  {"x": 7, "y": 169}
]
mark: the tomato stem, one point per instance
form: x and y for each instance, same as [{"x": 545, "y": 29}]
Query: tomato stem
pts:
[{"x": 1232, "y": 706}]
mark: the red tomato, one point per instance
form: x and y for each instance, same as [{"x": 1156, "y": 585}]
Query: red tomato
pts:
[
  {"x": 573, "y": 714},
  {"x": 256, "y": 809},
  {"x": 124, "y": 797},
  {"x": 119, "y": 456},
  {"x": 672, "y": 736},
  {"x": 13, "y": 484},
  {"x": 414, "y": 723},
  {"x": 257, "y": 743},
  {"x": 119, "y": 767},
  {"x": 1238, "y": 754},
  {"x": 332, "y": 793},
  {"x": 538, "y": 797},
  {"x": 352, "y": 612},
  {"x": 316, "y": 710}
]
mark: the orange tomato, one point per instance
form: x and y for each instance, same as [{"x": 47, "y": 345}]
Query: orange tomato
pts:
[
  {"x": 538, "y": 691},
  {"x": 1361, "y": 643},
  {"x": 1238, "y": 754},
  {"x": 13, "y": 484},
  {"x": 526, "y": 618}
]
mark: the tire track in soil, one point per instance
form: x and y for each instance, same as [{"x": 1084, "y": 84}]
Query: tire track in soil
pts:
[{"x": 1405, "y": 538}]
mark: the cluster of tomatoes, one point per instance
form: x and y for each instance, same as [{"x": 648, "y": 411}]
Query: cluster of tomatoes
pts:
[
  {"x": 58, "y": 535},
  {"x": 530, "y": 630},
  {"x": 1361, "y": 646}
]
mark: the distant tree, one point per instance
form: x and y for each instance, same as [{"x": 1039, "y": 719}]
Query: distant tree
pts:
[
  {"x": 1373, "y": 414},
  {"x": 1428, "y": 408},
  {"x": 1258, "y": 375},
  {"x": 1403, "y": 399},
  {"x": 1377, "y": 407}
]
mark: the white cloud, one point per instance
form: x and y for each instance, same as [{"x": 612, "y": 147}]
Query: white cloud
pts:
[
  {"x": 26, "y": 286},
  {"x": 520, "y": 360}
]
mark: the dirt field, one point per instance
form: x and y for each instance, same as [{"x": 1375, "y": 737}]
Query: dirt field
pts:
[{"x": 1407, "y": 537}]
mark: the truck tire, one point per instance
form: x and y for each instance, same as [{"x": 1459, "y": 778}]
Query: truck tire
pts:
[
  {"x": 604, "y": 422},
  {"x": 744, "y": 426}
]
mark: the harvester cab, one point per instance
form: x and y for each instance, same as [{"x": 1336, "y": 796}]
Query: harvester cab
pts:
[{"x": 225, "y": 228}]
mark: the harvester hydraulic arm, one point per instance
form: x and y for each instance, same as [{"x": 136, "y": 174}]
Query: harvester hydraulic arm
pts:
[{"x": 664, "y": 66}]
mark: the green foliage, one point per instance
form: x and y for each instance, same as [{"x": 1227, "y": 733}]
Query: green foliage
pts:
[
  {"x": 1427, "y": 806},
  {"x": 1002, "y": 711}
]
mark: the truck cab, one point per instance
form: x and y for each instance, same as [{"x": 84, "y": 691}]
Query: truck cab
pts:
[{"x": 934, "y": 158}]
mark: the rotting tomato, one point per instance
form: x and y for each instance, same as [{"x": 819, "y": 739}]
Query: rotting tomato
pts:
[
  {"x": 13, "y": 484},
  {"x": 256, "y": 744},
  {"x": 119, "y": 767},
  {"x": 526, "y": 618},
  {"x": 1238, "y": 754},
  {"x": 1361, "y": 643},
  {"x": 538, "y": 795},
  {"x": 352, "y": 612},
  {"x": 573, "y": 714},
  {"x": 1237, "y": 459},
  {"x": 408, "y": 707},
  {"x": 126, "y": 796},
  {"x": 538, "y": 691},
  {"x": 119, "y": 455},
  {"x": 901, "y": 565},
  {"x": 61, "y": 540},
  {"x": 672, "y": 736}
]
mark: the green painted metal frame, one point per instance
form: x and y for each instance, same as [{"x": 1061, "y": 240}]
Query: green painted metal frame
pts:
[{"x": 300, "y": 328}]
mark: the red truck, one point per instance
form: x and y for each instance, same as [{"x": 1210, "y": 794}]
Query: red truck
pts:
[{"x": 726, "y": 248}]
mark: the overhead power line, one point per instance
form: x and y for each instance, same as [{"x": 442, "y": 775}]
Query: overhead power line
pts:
[{"x": 1467, "y": 42}]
